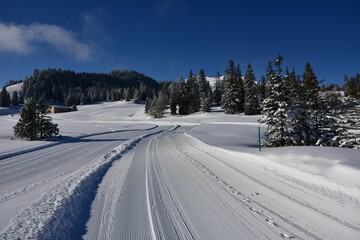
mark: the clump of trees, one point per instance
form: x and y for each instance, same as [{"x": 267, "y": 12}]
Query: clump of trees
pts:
[
  {"x": 34, "y": 124},
  {"x": 352, "y": 86},
  {"x": 294, "y": 110}
]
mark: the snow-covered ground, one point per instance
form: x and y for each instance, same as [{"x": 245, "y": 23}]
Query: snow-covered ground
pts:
[{"x": 118, "y": 174}]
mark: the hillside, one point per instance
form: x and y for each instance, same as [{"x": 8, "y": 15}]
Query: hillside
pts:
[{"x": 68, "y": 87}]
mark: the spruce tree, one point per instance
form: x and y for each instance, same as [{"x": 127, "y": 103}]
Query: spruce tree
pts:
[
  {"x": 204, "y": 89},
  {"x": 262, "y": 89},
  {"x": 251, "y": 94},
  {"x": 311, "y": 88},
  {"x": 174, "y": 97},
  {"x": 193, "y": 93},
  {"x": 15, "y": 98},
  {"x": 4, "y": 98},
  {"x": 352, "y": 86},
  {"x": 275, "y": 108},
  {"x": 34, "y": 125},
  {"x": 148, "y": 104},
  {"x": 218, "y": 88},
  {"x": 232, "y": 99},
  {"x": 183, "y": 97},
  {"x": 322, "y": 133},
  {"x": 240, "y": 89}
]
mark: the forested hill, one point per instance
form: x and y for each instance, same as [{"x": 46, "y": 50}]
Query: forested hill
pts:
[{"x": 68, "y": 87}]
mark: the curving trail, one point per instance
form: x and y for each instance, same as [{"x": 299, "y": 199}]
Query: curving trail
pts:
[
  {"x": 171, "y": 186},
  {"x": 161, "y": 183}
]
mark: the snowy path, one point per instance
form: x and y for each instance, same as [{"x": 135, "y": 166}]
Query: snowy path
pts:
[
  {"x": 171, "y": 186},
  {"x": 26, "y": 180}
]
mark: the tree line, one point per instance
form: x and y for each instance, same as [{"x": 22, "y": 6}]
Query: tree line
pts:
[
  {"x": 294, "y": 107},
  {"x": 67, "y": 87}
]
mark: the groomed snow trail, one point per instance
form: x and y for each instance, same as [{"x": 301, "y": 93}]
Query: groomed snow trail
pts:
[
  {"x": 171, "y": 186},
  {"x": 160, "y": 183},
  {"x": 44, "y": 190}
]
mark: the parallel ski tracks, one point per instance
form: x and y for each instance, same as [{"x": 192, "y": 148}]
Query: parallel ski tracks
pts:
[{"x": 304, "y": 204}]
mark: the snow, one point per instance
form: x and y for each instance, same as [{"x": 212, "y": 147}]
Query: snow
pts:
[
  {"x": 16, "y": 87},
  {"x": 117, "y": 173}
]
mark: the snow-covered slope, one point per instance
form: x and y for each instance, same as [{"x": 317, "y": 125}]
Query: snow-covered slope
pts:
[
  {"x": 16, "y": 87},
  {"x": 119, "y": 174},
  {"x": 212, "y": 81}
]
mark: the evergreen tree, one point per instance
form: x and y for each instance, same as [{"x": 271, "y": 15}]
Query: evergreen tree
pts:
[
  {"x": 311, "y": 88},
  {"x": 158, "y": 105},
  {"x": 193, "y": 93},
  {"x": 21, "y": 97},
  {"x": 15, "y": 98},
  {"x": 251, "y": 94},
  {"x": 270, "y": 73},
  {"x": 232, "y": 100},
  {"x": 219, "y": 89},
  {"x": 352, "y": 86},
  {"x": 4, "y": 98},
  {"x": 183, "y": 97},
  {"x": 275, "y": 108},
  {"x": 174, "y": 97},
  {"x": 204, "y": 89},
  {"x": 34, "y": 125},
  {"x": 148, "y": 104},
  {"x": 262, "y": 89},
  {"x": 240, "y": 89}
]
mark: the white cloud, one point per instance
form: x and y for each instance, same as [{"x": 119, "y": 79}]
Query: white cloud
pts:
[{"x": 22, "y": 39}]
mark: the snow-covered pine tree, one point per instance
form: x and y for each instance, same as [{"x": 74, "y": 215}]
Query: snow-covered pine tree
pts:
[
  {"x": 275, "y": 108},
  {"x": 193, "y": 93},
  {"x": 298, "y": 120},
  {"x": 148, "y": 104},
  {"x": 34, "y": 125},
  {"x": 252, "y": 106},
  {"x": 232, "y": 99},
  {"x": 204, "y": 88},
  {"x": 158, "y": 105}
]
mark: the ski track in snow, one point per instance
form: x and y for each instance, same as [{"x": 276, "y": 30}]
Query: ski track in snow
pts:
[{"x": 53, "y": 215}]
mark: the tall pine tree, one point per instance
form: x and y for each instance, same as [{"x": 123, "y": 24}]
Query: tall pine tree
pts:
[
  {"x": 275, "y": 107},
  {"x": 218, "y": 88},
  {"x": 4, "y": 98},
  {"x": 193, "y": 93},
  {"x": 232, "y": 99},
  {"x": 252, "y": 106},
  {"x": 205, "y": 96}
]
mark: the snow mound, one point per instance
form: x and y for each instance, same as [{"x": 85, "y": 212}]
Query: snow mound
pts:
[{"x": 53, "y": 215}]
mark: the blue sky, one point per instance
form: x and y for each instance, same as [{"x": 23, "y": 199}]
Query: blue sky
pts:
[{"x": 165, "y": 39}]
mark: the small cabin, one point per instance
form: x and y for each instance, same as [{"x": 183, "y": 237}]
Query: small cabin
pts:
[{"x": 60, "y": 109}]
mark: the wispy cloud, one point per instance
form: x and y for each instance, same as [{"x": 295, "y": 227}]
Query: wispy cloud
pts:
[
  {"x": 22, "y": 39},
  {"x": 166, "y": 7}
]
